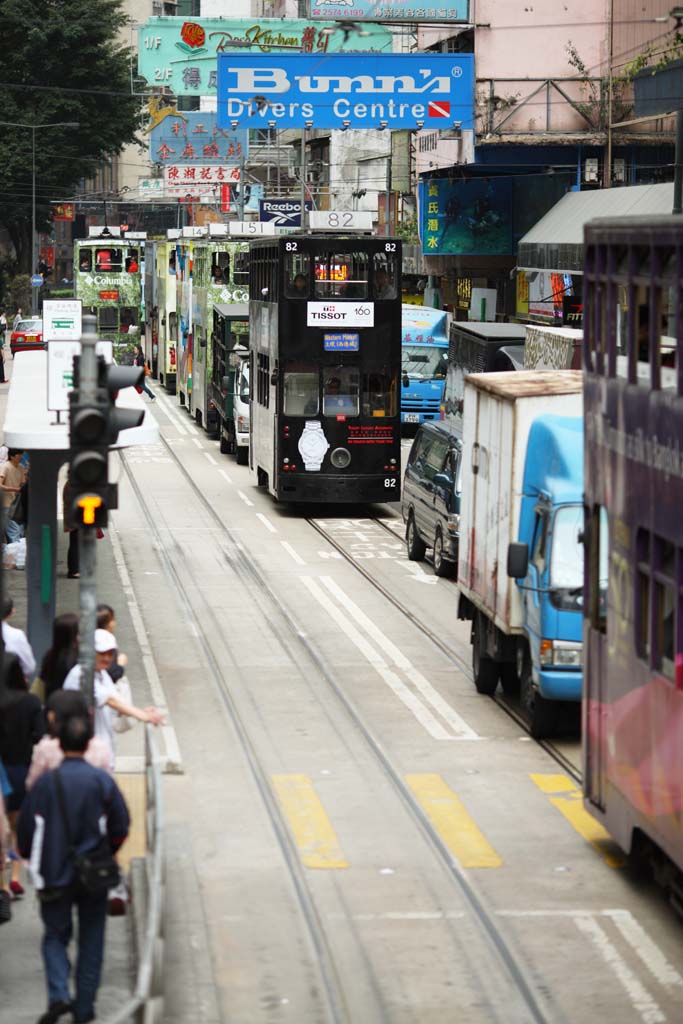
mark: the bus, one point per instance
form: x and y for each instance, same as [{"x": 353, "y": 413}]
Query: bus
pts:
[
  {"x": 424, "y": 362},
  {"x": 633, "y": 531},
  {"x": 325, "y": 368},
  {"x": 160, "y": 308},
  {"x": 220, "y": 276},
  {"x": 108, "y": 281}
]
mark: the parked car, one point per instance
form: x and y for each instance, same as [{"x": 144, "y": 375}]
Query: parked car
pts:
[
  {"x": 431, "y": 497},
  {"x": 27, "y": 335}
]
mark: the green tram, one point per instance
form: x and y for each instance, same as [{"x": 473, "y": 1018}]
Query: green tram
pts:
[
  {"x": 160, "y": 308},
  {"x": 108, "y": 281}
]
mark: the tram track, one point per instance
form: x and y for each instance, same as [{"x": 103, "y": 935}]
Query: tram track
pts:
[
  {"x": 246, "y": 568},
  {"x": 453, "y": 655}
]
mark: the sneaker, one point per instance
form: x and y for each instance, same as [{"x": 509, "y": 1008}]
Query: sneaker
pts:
[{"x": 17, "y": 889}]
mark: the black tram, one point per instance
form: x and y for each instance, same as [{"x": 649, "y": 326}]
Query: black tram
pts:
[{"x": 325, "y": 365}]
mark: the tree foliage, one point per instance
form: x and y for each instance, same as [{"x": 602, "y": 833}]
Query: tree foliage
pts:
[{"x": 63, "y": 60}]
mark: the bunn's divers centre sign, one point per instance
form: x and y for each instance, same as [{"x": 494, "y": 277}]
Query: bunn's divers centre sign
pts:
[{"x": 416, "y": 90}]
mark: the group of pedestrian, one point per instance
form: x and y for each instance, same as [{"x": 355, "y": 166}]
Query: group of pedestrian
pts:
[{"x": 58, "y": 799}]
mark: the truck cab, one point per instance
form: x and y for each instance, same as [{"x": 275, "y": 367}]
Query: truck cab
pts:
[{"x": 424, "y": 361}]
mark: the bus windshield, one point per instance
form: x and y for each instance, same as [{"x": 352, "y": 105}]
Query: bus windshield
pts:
[{"x": 422, "y": 361}]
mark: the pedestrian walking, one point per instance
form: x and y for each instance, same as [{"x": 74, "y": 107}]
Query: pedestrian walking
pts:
[
  {"x": 73, "y": 552},
  {"x": 48, "y": 753},
  {"x": 139, "y": 360},
  {"x": 12, "y": 478},
  {"x": 21, "y": 726},
  {"x": 16, "y": 642},
  {"x": 72, "y": 811},
  {"x": 18, "y": 316},
  {"x": 60, "y": 658},
  {"x": 5, "y": 898},
  {"x": 107, "y": 699}
]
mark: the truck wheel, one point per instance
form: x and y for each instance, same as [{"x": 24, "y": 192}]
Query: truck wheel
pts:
[
  {"x": 509, "y": 679},
  {"x": 415, "y": 545},
  {"x": 442, "y": 567},
  {"x": 242, "y": 454},
  {"x": 541, "y": 713},
  {"x": 485, "y": 670},
  {"x": 225, "y": 445}
]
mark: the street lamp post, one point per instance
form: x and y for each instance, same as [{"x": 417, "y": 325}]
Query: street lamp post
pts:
[{"x": 34, "y": 127}]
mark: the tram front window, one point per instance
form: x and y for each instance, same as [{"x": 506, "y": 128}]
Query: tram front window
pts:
[
  {"x": 340, "y": 392},
  {"x": 300, "y": 393},
  {"x": 341, "y": 275},
  {"x": 107, "y": 260},
  {"x": 298, "y": 269}
]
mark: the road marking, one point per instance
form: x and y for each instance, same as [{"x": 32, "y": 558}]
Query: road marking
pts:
[
  {"x": 207, "y": 455},
  {"x": 461, "y": 729},
  {"x": 651, "y": 955},
  {"x": 171, "y": 413},
  {"x": 245, "y": 499},
  {"x": 173, "y": 759},
  {"x": 292, "y": 553},
  {"x": 399, "y": 688},
  {"x": 266, "y": 522},
  {"x": 228, "y": 479},
  {"x": 458, "y": 830},
  {"x": 571, "y": 807},
  {"x": 195, "y": 440},
  {"x": 641, "y": 1000},
  {"x": 313, "y": 833}
]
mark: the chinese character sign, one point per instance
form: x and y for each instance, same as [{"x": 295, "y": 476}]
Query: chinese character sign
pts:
[
  {"x": 470, "y": 217},
  {"x": 396, "y": 10},
  {"x": 181, "y": 175},
  {"x": 193, "y": 137},
  {"x": 63, "y": 211}
]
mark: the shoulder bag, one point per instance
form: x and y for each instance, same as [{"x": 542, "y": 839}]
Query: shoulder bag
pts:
[{"x": 96, "y": 871}]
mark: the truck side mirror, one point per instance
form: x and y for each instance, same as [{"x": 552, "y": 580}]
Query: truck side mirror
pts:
[
  {"x": 518, "y": 560},
  {"x": 443, "y": 480}
]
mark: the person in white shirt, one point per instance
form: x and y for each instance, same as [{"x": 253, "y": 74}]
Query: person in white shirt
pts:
[
  {"x": 15, "y": 641},
  {"x": 107, "y": 701}
]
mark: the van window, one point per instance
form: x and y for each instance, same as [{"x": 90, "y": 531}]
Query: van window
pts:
[
  {"x": 418, "y": 453},
  {"x": 436, "y": 457}
]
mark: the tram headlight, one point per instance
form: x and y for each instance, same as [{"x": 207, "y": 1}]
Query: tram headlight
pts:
[
  {"x": 340, "y": 458},
  {"x": 561, "y": 653}
]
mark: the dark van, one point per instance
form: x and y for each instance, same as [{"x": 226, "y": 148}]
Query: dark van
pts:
[{"x": 431, "y": 497}]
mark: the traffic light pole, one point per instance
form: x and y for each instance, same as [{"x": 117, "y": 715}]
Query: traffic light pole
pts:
[{"x": 87, "y": 538}]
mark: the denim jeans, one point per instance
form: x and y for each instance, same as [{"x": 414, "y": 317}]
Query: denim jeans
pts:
[
  {"x": 8, "y": 527},
  {"x": 58, "y": 920}
]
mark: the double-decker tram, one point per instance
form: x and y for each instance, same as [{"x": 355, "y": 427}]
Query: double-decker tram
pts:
[
  {"x": 108, "y": 281},
  {"x": 325, "y": 368},
  {"x": 160, "y": 308},
  {"x": 633, "y": 590}
]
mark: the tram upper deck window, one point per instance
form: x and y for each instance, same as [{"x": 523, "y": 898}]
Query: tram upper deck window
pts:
[
  {"x": 653, "y": 338},
  {"x": 341, "y": 275},
  {"x": 384, "y": 276},
  {"x": 85, "y": 261},
  {"x": 300, "y": 388},
  {"x": 132, "y": 263},
  {"x": 341, "y": 386},
  {"x": 220, "y": 268},
  {"x": 241, "y": 269},
  {"x": 107, "y": 260},
  {"x": 298, "y": 275}
]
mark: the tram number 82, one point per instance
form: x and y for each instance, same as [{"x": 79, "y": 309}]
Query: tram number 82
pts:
[{"x": 390, "y": 481}]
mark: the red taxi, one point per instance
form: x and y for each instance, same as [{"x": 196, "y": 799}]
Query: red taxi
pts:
[{"x": 27, "y": 335}]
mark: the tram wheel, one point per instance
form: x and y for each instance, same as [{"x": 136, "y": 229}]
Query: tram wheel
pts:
[
  {"x": 541, "y": 713},
  {"x": 442, "y": 567},
  {"x": 414, "y": 543},
  {"x": 485, "y": 670}
]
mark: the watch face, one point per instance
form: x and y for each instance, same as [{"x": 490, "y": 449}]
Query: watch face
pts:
[{"x": 313, "y": 445}]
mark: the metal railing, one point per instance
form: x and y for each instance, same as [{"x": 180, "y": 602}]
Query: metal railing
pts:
[{"x": 146, "y": 1002}]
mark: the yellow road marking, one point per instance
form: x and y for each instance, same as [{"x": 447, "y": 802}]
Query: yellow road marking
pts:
[
  {"x": 570, "y": 806},
  {"x": 135, "y": 793},
  {"x": 313, "y": 834},
  {"x": 455, "y": 826}
]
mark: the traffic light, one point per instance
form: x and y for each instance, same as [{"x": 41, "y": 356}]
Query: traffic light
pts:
[{"x": 112, "y": 379}]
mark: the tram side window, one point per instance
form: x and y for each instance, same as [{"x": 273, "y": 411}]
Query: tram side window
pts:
[
  {"x": 241, "y": 271},
  {"x": 341, "y": 275},
  {"x": 298, "y": 275},
  {"x": 384, "y": 276},
  {"x": 598, "y": 567},
  {"x": 85, "y": 260},
  {"x": 132, "y": 262},
  {"x": 642, "y": 595},
  {"x": 341, "y": 386},
  {"x": 665, "y": 607},
  {"x": 263, "y": 380},
  {"x": 108, "y": 260},
  {"x": 379, "y": 395},
  {"x": 301, "y": 387},
  {"x": 220, "y": 268}
]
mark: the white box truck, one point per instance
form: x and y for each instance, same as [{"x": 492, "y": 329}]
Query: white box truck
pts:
[{"x": 522, "y": 485}]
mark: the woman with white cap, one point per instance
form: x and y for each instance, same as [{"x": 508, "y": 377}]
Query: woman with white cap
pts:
[{"x": 107, "y": 701}]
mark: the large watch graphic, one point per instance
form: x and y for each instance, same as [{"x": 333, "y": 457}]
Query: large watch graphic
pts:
[{"x": 313, "y": 445}]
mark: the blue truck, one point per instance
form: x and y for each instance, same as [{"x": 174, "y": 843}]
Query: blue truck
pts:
[
  {"x": 424, "y": 363},
  {"x": 520, "y": 562}
]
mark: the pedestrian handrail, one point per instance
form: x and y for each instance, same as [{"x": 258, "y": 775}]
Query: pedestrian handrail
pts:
[{"x": 147, "y": 998}]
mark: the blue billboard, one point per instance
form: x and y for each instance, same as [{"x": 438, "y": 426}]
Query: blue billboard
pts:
[
  {"x": 340, "y": 90},
  {"x": 193, "y": 137},
  {"x": 285, "y": 212},
  {"x": 393, "y": 10},
  {"x": 470, "y": 216}
]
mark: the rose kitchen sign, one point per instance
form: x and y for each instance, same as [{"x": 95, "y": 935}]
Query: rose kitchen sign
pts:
[{"x": 181, "y": 55}]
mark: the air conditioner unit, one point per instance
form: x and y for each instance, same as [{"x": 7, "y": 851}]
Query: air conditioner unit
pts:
[
  {"x": 590, "y": 169},
  {"x": 314, "y": 169}
]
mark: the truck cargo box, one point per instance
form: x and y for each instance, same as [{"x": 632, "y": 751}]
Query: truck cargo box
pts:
[{"x": 499, "y": 409}]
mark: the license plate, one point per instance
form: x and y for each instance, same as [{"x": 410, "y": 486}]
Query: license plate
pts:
[
  {"x": 411, "y": 417},
  {"x": 31, "y": 337}
]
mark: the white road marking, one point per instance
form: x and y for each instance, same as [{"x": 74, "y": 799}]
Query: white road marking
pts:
[
  {"x": 418, "y": 573},
  {"x": 195, "y": 440},
  {"x": 641, "y": 1000},
  {"x": 293, "y": 554},
  {"x": 228, "y": 479},
  {"x": 207, "y": 455},
  {"x": 173, "y": 758},
  {"x": 266, "y": 522},
  {"x": 173, "y": 417},
  {"x": 409, "y": 699},
  {"x": 651, "y": 955},
  {"x": 397, "y": 915},
  {"x": 245, "y": 499},
  {"x": 461, "y": 729}
]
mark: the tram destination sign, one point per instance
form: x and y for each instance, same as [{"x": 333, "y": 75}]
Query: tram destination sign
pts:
[
  {"x": 414, "y": 90},
  {"x": 340, "y": 314}
]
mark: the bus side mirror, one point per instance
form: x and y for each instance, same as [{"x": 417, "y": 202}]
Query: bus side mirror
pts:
[{"x": 518, "y": 560}]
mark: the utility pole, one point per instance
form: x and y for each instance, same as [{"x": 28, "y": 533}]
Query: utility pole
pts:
[{"x": 240, "y": 207}]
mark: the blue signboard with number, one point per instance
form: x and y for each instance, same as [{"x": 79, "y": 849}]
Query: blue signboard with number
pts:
[
  {"x": 344, "y": 342},
  {"x": 413, "y": 90}
]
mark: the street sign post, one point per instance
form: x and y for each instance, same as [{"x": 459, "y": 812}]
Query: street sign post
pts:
[
  {"x": 62, "y": 319},
  {"x": 36, "y": 280}
]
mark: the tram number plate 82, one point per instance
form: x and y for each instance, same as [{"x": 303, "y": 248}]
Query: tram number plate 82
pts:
[{"x": 390, "y": 481}]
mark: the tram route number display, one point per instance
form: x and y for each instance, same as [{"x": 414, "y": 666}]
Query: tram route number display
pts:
[{"x": 346, "y": 314}]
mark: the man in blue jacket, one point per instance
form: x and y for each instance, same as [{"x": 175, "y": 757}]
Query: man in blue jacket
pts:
[{"x": 94, "y": 805}]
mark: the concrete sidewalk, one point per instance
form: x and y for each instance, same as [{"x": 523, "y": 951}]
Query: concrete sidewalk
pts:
[{"x": 22, "y": 985}]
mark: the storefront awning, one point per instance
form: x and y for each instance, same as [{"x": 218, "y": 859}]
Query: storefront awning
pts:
[{"x": 556, "y": 241}]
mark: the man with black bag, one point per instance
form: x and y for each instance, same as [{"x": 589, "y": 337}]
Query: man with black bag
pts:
[{"x": 71, "y": 860}]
